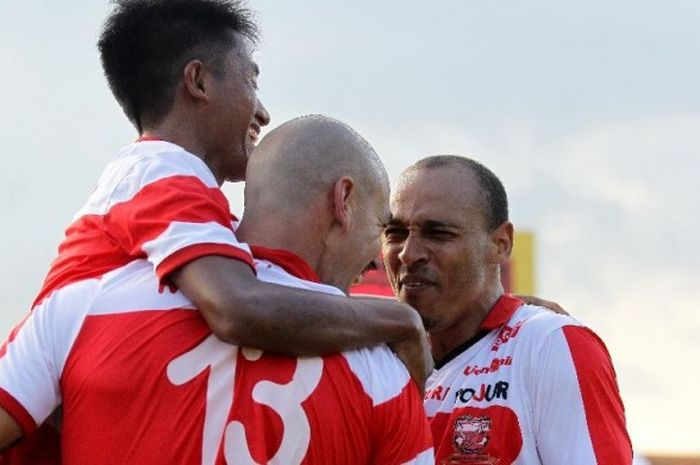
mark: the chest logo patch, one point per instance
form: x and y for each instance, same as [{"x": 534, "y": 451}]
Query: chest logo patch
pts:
[
  {"x": 471, "y": 434},
  {"x": 481, "y": 436}
]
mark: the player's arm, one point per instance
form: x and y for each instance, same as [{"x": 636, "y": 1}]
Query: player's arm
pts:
[
  {"x": 30, "y": 373},
  {"x": 579, "y": 415},
  {"x": 548, "y": 304},
  {"x": 10, "y": 431},
  {"x": 244, "y": 311},
  {"x": 183, "y": 226}
]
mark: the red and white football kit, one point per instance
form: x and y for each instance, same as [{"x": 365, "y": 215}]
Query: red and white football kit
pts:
[
  {"x": 143, "y": 381},
  {"x": 535, "y": 388},
  {"x": 154, "y": 201}
]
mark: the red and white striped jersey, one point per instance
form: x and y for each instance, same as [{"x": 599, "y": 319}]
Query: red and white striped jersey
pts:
[
  {"x": 538, "y": 388},
  {"x": 154, "y": 201},
  {"x": 143, "y": 381}
]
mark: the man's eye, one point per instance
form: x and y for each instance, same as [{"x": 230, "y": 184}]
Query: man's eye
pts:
[
  {"x": 442, "y": 235},
  {"x": 394, "y": 233}
]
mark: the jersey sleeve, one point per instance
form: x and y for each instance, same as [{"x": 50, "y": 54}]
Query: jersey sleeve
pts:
[
  {"x": 29, "y": 389},
  {"x": 32, "y": 359},
  {"x": 168, "y": 211},
  {"x": 579, "y": 415}
]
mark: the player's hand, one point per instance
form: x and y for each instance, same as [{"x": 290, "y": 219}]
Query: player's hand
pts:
[
  {"x": 413, "y": 348},
  {"x": 415, "y": 354},
  {"x": 548, "y": 304}
]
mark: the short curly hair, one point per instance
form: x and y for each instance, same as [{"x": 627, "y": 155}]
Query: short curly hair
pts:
[
  {"x": 493, "y": 195},
  {"x": 145, "y": 44}
]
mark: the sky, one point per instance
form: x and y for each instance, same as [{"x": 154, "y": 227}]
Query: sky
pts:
[{"x": 589, "y": 112}]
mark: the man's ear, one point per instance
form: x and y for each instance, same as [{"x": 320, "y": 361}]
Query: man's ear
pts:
[
  {"x": 502, "y": 239},
  {"x": 194, "y": 77},
  {"x": 342, "y": 210}
]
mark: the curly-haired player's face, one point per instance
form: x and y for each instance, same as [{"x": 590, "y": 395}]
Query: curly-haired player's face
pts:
[
  {"x": 237, "y": 114},
  {"x": 437, "y": 247}
]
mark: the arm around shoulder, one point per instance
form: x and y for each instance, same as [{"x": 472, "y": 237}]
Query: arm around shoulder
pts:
[
  {"x": 10, "y": 431},
  {"x": 242, "y": 310}
]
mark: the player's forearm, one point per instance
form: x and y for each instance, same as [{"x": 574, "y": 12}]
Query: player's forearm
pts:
[
  {"x": 244, "y": 311},
  {"x": 297, "y": 322},
  {"x": 10, "y": 430}
]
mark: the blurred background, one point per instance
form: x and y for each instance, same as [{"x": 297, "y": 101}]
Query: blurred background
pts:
[{"x": 589, "y": 111}]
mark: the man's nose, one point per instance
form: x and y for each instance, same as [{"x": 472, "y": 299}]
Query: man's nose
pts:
[
  {"x": 261, "y": 114},
  {"x": 413, "y": 251}
]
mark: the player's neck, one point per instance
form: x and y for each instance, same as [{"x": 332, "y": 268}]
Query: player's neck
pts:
[
  {"x": 178, "y": 131},
  {"x": 275, "y": 230},
  {"x": 467, "y": 327}
]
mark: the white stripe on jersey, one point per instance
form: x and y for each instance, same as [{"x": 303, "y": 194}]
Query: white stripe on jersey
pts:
[
  {"x": 144, "y": 292},
  {"x": 275, "y": 274},
  {"x": 130, "y": 171},
  {"x": 179, "y": 235},
  {"x": 394, "y": 376}
]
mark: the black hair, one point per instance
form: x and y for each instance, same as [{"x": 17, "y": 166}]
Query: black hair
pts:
[
  {"x": 494, "y": 198},
  {"x": 145, "y": 44}
]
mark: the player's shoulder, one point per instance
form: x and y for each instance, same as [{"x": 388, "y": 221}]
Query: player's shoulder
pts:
[
  {"x": 135, "y": 287},
  {"x": 161, "y": 159},
  {"x": 538, "y": 322},
  {"x": 379, "y": 370}
]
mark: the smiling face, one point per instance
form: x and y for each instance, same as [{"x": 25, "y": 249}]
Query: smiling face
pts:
[
  {"x": 364, "y": 240},
  {"x": 236, "y": 114},
  {"x": 437, "y": 247}
]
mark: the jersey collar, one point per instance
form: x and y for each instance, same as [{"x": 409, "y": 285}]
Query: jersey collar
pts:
[
  {"x": 149, "y": 139},
  {"x": 501, "y": 312},
  {"x": 290, "y": 262}
]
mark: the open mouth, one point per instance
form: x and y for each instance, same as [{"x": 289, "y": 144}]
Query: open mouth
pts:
[
  {"x": 253, "y": 134},
  {"x": 414, "y": 283}
]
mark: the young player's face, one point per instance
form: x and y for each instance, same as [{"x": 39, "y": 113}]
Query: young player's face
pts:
[
  {"x": 436, "y": 245},
  {"x": 237, "y": 113}
]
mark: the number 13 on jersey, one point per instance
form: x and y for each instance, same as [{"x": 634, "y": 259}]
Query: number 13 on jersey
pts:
[{"x": 285, "y": 399}]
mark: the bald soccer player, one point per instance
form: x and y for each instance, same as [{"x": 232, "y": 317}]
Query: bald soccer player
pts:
[
  {"x": 143, "y": 379},
  {"x": 514, "y": 383}
]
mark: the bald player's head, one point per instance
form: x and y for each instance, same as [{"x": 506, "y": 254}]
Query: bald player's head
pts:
[
  {"x": 314, "y": 186},
  {"x": 302, "y": 157}
]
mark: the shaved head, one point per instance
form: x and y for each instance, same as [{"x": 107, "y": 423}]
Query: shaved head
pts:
[
  {"x": 316, "y": 188},
  {"x": 302, "y": 158}
]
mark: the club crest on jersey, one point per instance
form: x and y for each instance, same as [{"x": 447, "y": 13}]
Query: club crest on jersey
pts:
[{"x": 471, "y": 434}]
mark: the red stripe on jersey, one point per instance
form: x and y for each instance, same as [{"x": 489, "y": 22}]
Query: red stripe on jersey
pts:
[
  {"x": 186, "y": 255},
  {"x": 97, "y": 244},
  {"x": 501, "y": 312},
  {"x": 176, "y": 198},
  {"x": 290, "y": 262},
  {"x": 400, "y": 445},
  {"x": 85, "y": 253},
  {"x": 13, "y": 335},
  {"x": 23, "y": 418},
  {"x": 605, "y": 413}
]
